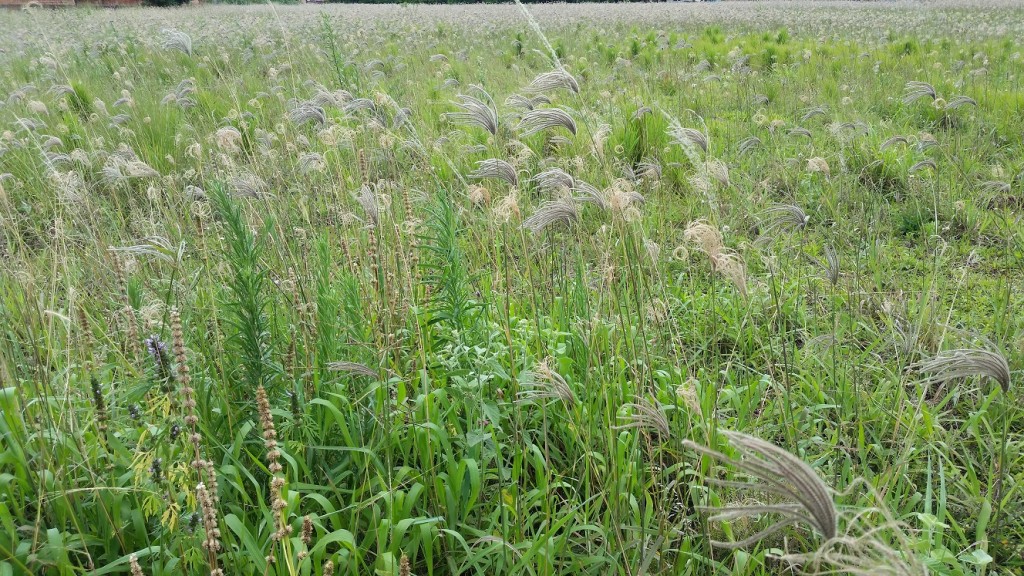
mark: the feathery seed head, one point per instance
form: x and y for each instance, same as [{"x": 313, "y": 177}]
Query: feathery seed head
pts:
[
  {"x": 556, "y": 79},
  {"x": 508, "y": 207},
  {"x": 479, "y": 196},
  {"x": 367, "y": 198},
  {"x": 590, "y": 195},
  {"x": 544, "y": 118},
  {"x": 475, "y": 112},
  {"x": 707, "y": 238},
  {"x": 719, "y": 170},
  {"x": 775, "y": 471},
  {"x": 687, "y": 137},
  {"x": 306, "y": 113},
  {"x": 964, "y": 363},
  {"x": 914, "y": 91},
  {"x": 177, "y": 40},
  {"x": 959, "y": 102},
  {"x": 782, "y": 218},
  {"x": 526, "y": 102},
  {"x": 496, "y": 168},
  {"x": 646, "y": 414},
  {"x": 730, "y": 265},
  {"x": 546, "y": 384},
  {"x": 554, "y": 181},
  {"x": 894, "y": 141},
  {"x": 749, "y": 144},
  {"x": 553, "y": 212},
  {"x": 818, "y": 164},
  {"x": 927, "y": 163},
  {"x": 687, "y": 392}
]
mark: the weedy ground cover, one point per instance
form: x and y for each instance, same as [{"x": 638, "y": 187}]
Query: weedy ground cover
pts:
[{"x": 729, "y": 289}]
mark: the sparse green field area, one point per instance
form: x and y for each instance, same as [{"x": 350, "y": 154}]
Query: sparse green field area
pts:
[{"x": 595, "y": 290}]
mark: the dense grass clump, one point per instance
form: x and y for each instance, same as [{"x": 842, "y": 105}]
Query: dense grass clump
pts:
[{"x": 314, "y": 291}]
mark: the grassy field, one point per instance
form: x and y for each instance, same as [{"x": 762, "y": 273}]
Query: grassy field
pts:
[{"x": 607, "y": 289}]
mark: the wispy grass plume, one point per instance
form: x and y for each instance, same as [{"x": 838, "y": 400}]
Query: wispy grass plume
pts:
[
  {"x": 805, "y": 497},
  {"x": 545, "y": 118},
  {"x": 475, "y": 112},
  {"x": 965, "y": 363},
  {"x": 782, "y": 218},
  {"x": 177, "y": 40},
  {"x": 307, "y": 113},
  {"x": 550, "y": 213},
  {"x": 554, "y": 80},
  {"x": 553, "y": 180},
  {"x": 543, "y": 383},
  {"x": 915, "y": 90},
  {"x": 686, "y": 137},
  {"x": 961, "y": 101},
  {"x": 646, "y": 414},
  {"x": 496, "y": 168},
  {"x": 749, "y": 144},
  {"x": 526, "y": 102}
]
